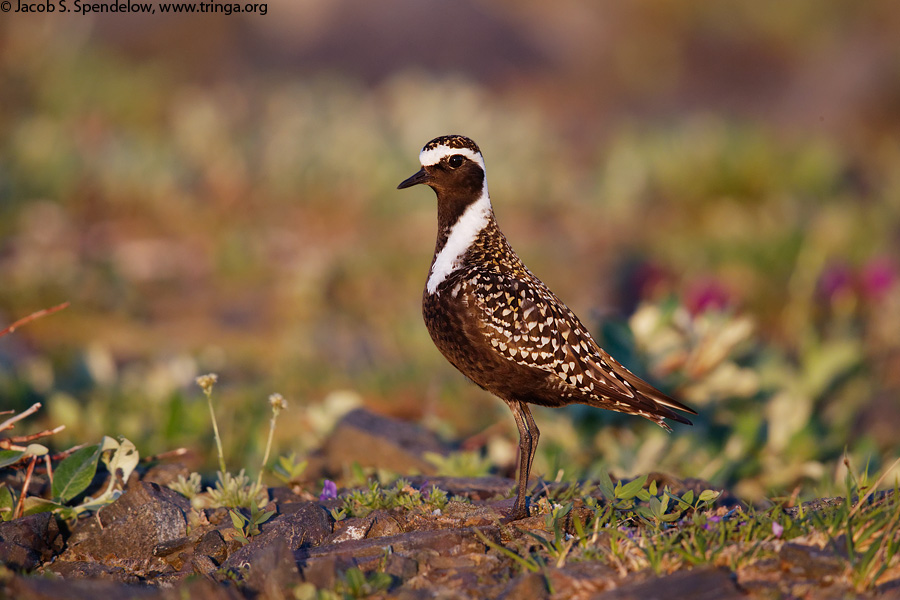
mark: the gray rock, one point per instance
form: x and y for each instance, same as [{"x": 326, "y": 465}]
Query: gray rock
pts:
[
  {"x": 40, "y": 588},
  {"x": 27, "y": 542},
  {"x": 321, "y": 565},
  {"x": 307, "y": 524},
  {"x": 705, "y": 583},
  {"x": 269, "y": 557},
  {"x": 265, "y": 566},
  {"x": 128, "y": 532},
  {"x": 90, "y": 570}
]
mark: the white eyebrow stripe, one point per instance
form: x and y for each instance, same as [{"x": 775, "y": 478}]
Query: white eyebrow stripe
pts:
[{"x": 434, "y": 155}]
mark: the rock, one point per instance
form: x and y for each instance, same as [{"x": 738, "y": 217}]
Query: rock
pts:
[
  {"x": 527, "y": 586},
  {"x": 306, "y": 524},
  {"x": 382, "y": 525},
  {"x": 131, "y": 529},
  {"x": 378, "y": 523},
  {"x": 38, "y": 588},
  {"x": 321, "y": 565},
  {"x": 41, "y": 588},
  {"x": 269, "y": 557},
  {"x": 705, "y": 583},
  {"x": 213, "y": 546},
  {"x": 165, "y": 473},
  {"x": 27, "y": 542},
  {"x": 372, "y": 440},
  {"x": 90, "y": 570},
  {"x": 473, "y": 488},
  {"x": 266, "y": 566},
  {"x": 810, "y": 563},
  {"x": 581, "y": 580}
]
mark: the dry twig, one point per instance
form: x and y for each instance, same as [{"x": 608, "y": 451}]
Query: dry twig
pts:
[{"x": 32, "y": 317}]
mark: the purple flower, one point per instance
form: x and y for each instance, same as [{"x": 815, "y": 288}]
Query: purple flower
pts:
[
  {"x": 329, "y": 491},
  {"x": 777, "y": 529},
  {"x": 877, "y": 277},
  {"x": 707, "y": 294},
  {"x": 710, "y": 520},
  {"x": 835, "y": 280}
]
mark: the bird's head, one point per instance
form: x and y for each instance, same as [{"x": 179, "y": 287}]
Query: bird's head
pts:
[{"x": 452, "y": 165}]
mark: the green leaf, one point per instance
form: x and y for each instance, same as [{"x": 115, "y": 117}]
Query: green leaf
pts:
[
  {"x": 263, "y": 517},
  {"x": 34, "y": 505},
  {"x": 631, "y": 489},
  {"x": 237, "y": 519},
  {"x": 10, "y": 457},
  {"x": 75, "y": 473},
  {"x": 606, "y": 486},
  {"x": 708, "y": 495},
  {"x": 7, "y": 503}
]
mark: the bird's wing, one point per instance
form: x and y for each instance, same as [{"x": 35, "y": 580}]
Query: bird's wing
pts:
[{"x": 529, "y": 325}]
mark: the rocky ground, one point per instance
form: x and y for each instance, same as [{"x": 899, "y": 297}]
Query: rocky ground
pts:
[{"x": 150, "y": 543}]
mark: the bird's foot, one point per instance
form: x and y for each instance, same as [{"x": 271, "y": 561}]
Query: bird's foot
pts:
[{"x": 516, "y": 514}]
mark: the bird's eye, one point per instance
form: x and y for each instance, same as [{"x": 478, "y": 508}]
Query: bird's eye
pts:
[{"x": 455, "y": 161}]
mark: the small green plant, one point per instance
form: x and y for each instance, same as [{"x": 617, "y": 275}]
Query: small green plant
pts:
[
  {"x": 189, "y": 487},
  {"x": 359, "y": 503},
  {"x": 288, "y": 469},
  {"x": 459, "y": 464},
  {"x": 249, "y": 526},
  {"x": 278, "y": 404},
  {"x": 308, "y": 591},
  {"x": 559, "y": 547},
  {"x": 232, "y": 491},
  {"x": 354, "y": 583},
  {"x": 870, "y": 530},
  {"x": 533, "y": 563},
  {"x": 207, "y": 382}
]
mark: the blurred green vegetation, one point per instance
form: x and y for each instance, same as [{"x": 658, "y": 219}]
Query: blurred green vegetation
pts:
[{"x": 251, "y": 227}]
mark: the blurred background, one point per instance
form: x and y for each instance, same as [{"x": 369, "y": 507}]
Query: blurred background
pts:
[{"x": 713, "y": 186}]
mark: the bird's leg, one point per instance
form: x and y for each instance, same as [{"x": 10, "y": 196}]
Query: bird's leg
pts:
[
  {"x": 528, "y": 439},
  {"x": 535, "y": 436}
]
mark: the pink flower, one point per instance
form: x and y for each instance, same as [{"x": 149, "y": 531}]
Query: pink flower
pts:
[
  {"x": 777, "y": 529},
  {"x": 706, "y": 294},
  {"x": 877, "y": 277}
]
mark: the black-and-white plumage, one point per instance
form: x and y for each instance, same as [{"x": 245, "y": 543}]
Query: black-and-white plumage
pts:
[{"x": 500, "y": 325}]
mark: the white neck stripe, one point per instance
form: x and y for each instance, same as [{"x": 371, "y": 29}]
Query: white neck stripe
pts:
[
  {"x": 462, "y": 234},
  {"x": 433, "y": 156}
]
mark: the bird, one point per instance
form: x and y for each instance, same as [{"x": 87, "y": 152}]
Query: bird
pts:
[{"x": 500, "y": 326}]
